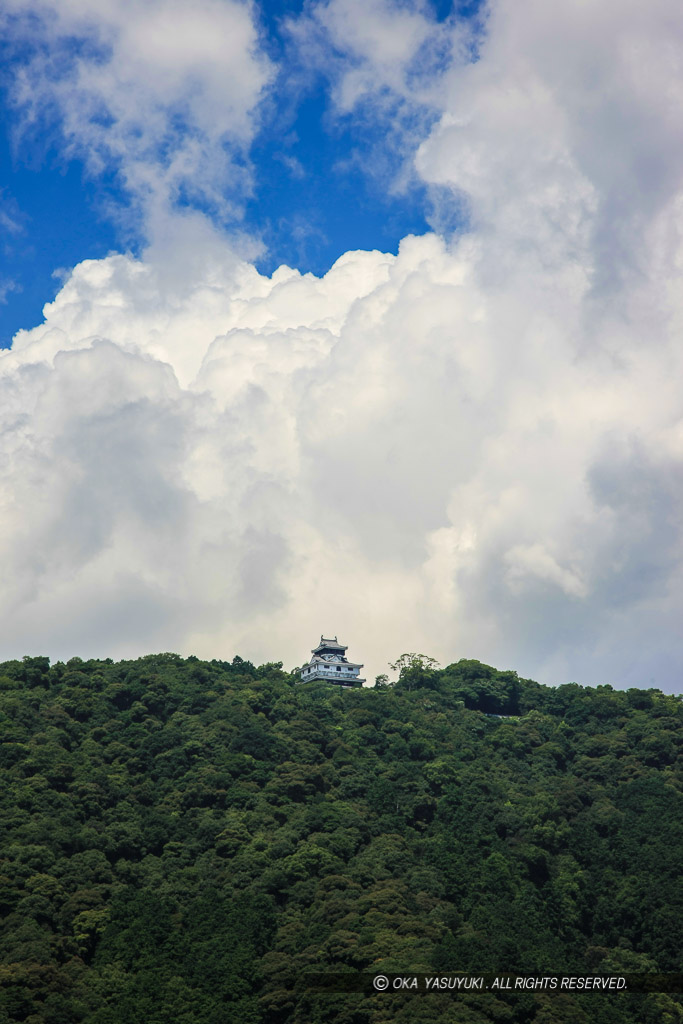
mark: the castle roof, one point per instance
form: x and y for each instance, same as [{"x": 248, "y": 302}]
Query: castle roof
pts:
[{"x": 328, "y": 644}]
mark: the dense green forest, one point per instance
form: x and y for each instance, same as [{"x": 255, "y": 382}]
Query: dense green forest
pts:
[{"x": 183, "y": 841}]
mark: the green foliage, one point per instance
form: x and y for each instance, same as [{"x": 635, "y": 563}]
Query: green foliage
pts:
[{"x": 184, "y": 840}]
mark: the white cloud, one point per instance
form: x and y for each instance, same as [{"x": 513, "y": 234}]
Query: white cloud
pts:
[
  {"x": 563, "y": 136},
  {"x": 6, "y": 286},
  {"x": 379, "y": 42},
  {"x": 389, "y": 452},
  {"x": 162, "y": 92},
  {"x": 10, "y": 216},
  {"x": 473, "y": 448},
  {"x": 384, "y": 62}
]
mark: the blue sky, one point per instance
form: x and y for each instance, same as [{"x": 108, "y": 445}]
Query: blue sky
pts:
[
  {"x": 318, "y": 189},
  {"x": 319, "y": 184},
  {"x": 58, "y": 223},
  {"x": 307, "y": 216},
  {"x": 453, "y": 425}
]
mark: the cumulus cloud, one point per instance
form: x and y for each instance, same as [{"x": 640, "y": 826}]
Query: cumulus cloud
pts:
[
  {"x": 563, "y": 137},
  {"x": 383, "y": 448},
  {"x": 473, "y": 448}
]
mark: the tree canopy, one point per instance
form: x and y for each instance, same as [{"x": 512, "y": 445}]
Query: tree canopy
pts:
[{"x": 183, "y": 840}]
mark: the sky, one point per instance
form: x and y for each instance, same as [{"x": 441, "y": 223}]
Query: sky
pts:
[{"x": 354, "y": 317}]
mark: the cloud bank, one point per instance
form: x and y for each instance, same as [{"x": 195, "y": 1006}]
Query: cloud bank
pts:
[{"x": 473, "y": 448}]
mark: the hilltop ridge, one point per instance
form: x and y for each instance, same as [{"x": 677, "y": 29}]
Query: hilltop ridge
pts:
[{"x": 184, "y": 839}]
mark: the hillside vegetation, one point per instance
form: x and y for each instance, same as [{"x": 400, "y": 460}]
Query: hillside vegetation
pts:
[{"x": 183, "y": 840}]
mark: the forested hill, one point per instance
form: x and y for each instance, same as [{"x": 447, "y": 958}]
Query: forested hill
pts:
[{"x": 183, "y": 840}]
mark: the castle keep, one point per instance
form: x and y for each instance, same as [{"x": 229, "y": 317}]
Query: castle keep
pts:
[{"x": 329, "y": 662}]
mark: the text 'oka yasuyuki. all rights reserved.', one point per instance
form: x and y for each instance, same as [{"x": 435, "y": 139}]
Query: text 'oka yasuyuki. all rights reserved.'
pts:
[
  {"x": 462, "y": 983},
  {"x": 505, "y": 982}
]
